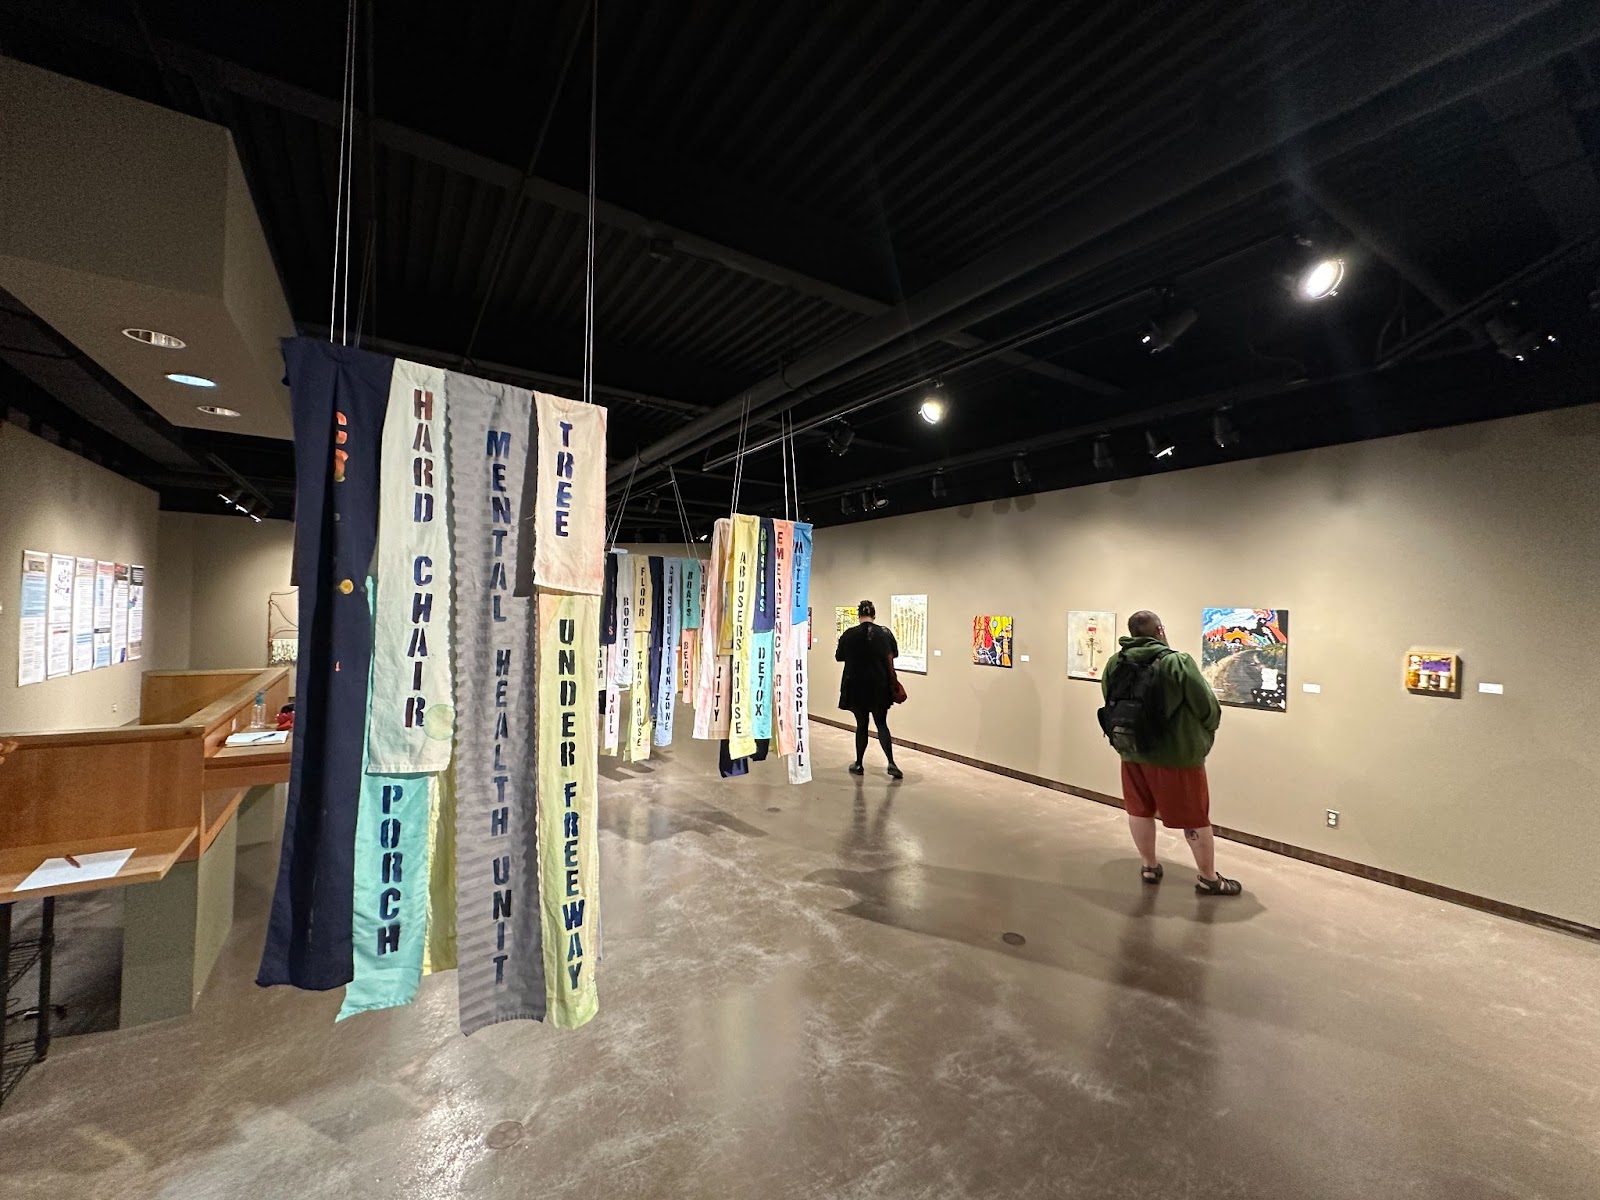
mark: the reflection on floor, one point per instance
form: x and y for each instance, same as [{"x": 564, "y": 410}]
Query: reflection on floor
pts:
[{"x": 950, "y": 987}]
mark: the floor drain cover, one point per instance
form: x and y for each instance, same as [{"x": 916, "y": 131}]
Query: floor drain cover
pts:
[
  {"x": 507, "y": 1133},
  {"x": 1013, "y": 939}
]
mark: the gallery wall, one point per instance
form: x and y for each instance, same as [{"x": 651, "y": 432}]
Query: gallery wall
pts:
[
  {"x": 54, "y": 501},
  {"x": 222, "y": 570},
  {"x": 1484, "y": 539}
]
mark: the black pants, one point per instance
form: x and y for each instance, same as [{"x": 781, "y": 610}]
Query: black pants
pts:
[{"x": 880, "y": 717}]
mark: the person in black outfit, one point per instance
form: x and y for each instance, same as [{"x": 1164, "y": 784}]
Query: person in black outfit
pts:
[{"x": 866, "y": 652}]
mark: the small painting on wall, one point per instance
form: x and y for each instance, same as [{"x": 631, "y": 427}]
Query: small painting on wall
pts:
[
  {"x": 1091, "y": 639},
  {"x": 1244, "y": 655},
  {"x": 843, "y": 618},
  {"x": 991, "y": 641}
]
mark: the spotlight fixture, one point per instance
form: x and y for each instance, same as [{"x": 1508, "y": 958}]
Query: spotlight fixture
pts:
[
  {"x": 231, "y": 499},
  {"x": 1222, "y": 431},
  {"x": 934, "y": 405},
  {"x": 1104, "y": 460},
  {"x": 939, "y": 490},
  {"x": 151, "y": 338},
  {"x": 216, "y": 410},
  {"x": 874, "y": 499},
  {"x": 847, "y": 506},
  {"x": 199, "y": 381},
  {"x": 1513, "y": 341},
  {"x": 652, "y": 503},
  {"x": 1020, "y": 472},
  {"x": 705, "y": 537},
  {"x": 840, "y": 441},
  {"x": 1159, "y": 446},
  {"x": 1320, "y": 279},
  {"x": 255, "y": 510},
  {"x": 1164, "y": 332}
]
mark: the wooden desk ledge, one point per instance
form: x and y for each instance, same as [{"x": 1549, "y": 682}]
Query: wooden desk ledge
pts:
[{"x": 153, "y": 856}]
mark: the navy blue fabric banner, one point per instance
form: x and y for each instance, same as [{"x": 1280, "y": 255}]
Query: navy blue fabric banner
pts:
[
  {"x": 608, "y": 604},
  {"x": 657, "y": 584},
  {"x": 339, "y": 396},
  {"x": 766, "y": 565}
]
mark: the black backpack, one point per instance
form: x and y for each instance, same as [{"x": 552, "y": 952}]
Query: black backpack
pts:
[{"x": 1133, "y": 714}]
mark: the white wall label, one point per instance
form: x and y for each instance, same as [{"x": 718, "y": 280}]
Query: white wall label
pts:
[
  {"x": 938, "y": 653},
  {"x": 1313, "y": 688},
  {"x": 1024, "y": 658},
  {"x": 1493, "y": 689}
]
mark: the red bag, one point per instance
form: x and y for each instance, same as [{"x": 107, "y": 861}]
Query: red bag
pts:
[{"x": 897, "y": 693}]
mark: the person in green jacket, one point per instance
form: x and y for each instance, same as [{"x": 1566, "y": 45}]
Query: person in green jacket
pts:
[{"x": 1168, "y": 777}]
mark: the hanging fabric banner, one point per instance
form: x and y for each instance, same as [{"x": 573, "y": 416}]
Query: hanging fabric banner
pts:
[
  {"x": 639, "y": 724},
  {"x": 501, "y": 971},
  {"x": 622, "y": 660},
  {"x": 569, "y": 862},
  {"x": 608, "y": 601},
  {"x": 658, "y": 594},
  {"x": 671, "y": 618},
  {"x": 761, "y": 639},
  {"x": 643, "y": 593},
  {"x": 569, "y": 509},
  {"x": 339, "y": 397},
  {"x": 689, "y": 658},
  {"x": 800, "y": 760},
  {"x": 410, "y": 726},
  {"x": 802, "y": 571},
  {"x": 710, "y": 623},
  {"x": 613, "y": 720},
  {"x": 782, "y": 619},
  {"x": 691, "y": 571},
  {"x": 739, "y": 619},
  {"x": 389, "y": 928},
  {"x": 439, "y": 951}
]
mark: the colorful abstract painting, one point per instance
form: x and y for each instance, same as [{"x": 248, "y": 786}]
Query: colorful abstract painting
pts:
[
  {"x": 1244, "y": 654},
  {"x": 1091, "y": 639},
  {"x": 991, "y": 641},
  {"x": 908, "y": 619}
]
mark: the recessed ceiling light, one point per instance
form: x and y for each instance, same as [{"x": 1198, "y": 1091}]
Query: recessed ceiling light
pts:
[
  {"x": 151, "y": 338},
  {"x": 199, "y": 381},
  {"x": 216, "y": 410},
  {"x": 1322, "y": 279}
]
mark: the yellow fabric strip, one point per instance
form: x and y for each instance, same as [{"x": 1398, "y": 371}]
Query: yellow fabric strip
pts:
[{"x": 742, "y": 581}]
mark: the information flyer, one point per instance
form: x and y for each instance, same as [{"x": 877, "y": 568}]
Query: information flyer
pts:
[
  {"x": 119, "y": 615},
  {"x": 83, "y": 617},
  {"x": 105, "y": 578},
  {"x": 135, "y": 613},
  {"x": 58, "y": 626},
  {"x": 35, "y": 606}
]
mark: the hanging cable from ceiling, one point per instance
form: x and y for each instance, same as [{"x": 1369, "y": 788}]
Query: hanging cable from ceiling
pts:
[
  {"x": 589, "y": 280},
  {"x": 344, "y": 197},
  {"x": 683, "y": 512}
]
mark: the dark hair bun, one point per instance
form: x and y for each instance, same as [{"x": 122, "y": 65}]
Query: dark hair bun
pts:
[{"x": 865, "y": 609}]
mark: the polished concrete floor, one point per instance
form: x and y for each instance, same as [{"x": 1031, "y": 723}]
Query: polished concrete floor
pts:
[{"x": 809, "y": 992}]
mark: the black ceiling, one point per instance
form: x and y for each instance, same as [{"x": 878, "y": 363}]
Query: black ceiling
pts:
[{"x": 809, "y": 209}]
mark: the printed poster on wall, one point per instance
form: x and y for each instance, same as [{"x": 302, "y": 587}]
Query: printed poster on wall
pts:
[
  {"x": 135, "y": 613},
  {"x": 908, "y": 620},
  {"x": 1091, "y": 639},
  {"x": 105, "y": 578},
  {"x": 83, "y": 617},
  {"x": 58, "y": 625},
  {"x": 119, "y": 615},
  {"x": 35, "y": 606},
  {"x": 843, "y": 618}
]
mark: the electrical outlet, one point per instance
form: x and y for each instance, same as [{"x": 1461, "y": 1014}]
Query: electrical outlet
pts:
[
  {"x": 113, "y": 708},
  {"x": 1333, "y": 819}
]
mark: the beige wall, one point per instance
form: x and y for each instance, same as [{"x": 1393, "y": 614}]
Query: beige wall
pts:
[
  {"x": 1484, "y": 538},
  {"x": 229, "y": 565},
  {"x": 53, "y": 500}
]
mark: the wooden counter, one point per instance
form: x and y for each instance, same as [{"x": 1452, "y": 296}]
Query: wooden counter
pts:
[{"x": 154, "y": 854}]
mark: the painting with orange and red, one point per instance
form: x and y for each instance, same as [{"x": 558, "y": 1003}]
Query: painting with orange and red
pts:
[
  {"x": 1244, "y": 655},
  {"x": 991, "y": 641}
]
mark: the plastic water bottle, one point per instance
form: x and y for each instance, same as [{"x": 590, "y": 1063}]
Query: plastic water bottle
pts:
[{"x": 258, "y": 716}]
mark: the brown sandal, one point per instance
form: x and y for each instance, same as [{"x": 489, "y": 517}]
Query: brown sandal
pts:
[
  {"x": 1220, "y": 886},
  {"x": 1151, "y": 874}
]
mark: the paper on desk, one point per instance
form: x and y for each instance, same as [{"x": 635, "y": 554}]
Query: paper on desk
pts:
[
  {"x": 53, "y": 872},
  {"x": 258, "y": 737}
]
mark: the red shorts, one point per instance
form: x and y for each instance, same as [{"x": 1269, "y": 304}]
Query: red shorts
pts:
[{"x": 1179, "y": 795}]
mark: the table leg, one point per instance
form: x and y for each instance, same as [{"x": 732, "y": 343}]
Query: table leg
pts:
[{"x": 47, "y": 953}]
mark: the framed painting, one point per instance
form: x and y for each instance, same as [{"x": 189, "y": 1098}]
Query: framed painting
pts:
[
  {"x": 1244, "y": 655},
  {"x": 991, "y": 641},
  {"x": 1091, "y": 639},
  {"x": 908, "y": 621}
]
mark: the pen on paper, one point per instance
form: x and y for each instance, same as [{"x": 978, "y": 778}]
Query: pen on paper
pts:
[{"x": 73, "y": 861}]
